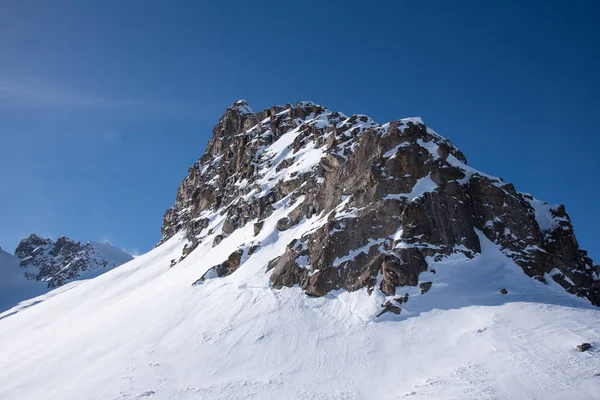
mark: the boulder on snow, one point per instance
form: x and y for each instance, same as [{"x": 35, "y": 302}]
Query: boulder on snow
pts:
[
  {"x": 584, "y": 347},
  {"x": 389, "y": 306},
  {"x": 293, "y": 218},
  {"x": 425, "y": 286},
  {"x": 402, "y": 300},
  {"x": 229, "y": 226},
  {"x": 284, "y": 224},
  {"x": 253, "y": 248},
  {"x": 257, "y": 227},
  {"x": 188, "y": 248},
  {"x": 227, "y": 267},
  {"x": 218, "y": 239}
]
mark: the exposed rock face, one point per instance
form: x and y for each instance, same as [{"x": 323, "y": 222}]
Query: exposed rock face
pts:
[
  {"x": 425, "y": 286},
  {"x": 383, "y": 200},
  {"x": 390, "y": 306},
  {"x": 225, "y": 268},
  {"x": 61, "y": 261}
]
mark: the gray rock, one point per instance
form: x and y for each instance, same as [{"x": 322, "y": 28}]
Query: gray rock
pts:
[
  {"x": 257, "y": 227},
  {"x": 391, "y": 307},
  {"x": 425, "y": 286},
  {"x": 584, "y": 347},
  {"x": 284, "y": 224},
  {"x": 227, "y": 267}
]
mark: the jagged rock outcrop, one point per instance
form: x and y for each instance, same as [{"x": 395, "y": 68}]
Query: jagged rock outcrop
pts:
[
  {"x": 61, "y": 261},
  {"x": 225, "y": 268},
  {"x": 382, "y": 200}
]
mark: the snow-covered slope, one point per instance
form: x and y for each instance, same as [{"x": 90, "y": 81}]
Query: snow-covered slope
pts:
[
  {"x": 203, "y": 317},
  {"x": 141, "y": 330},
  {"x": 113, "y": 255},
  {"x": 44, "y": 264},
  {"x": 14, "y": 287}
]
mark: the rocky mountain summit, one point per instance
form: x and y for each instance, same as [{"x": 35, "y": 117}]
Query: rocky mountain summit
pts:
[
  {"x": 370, "y": 205},
  {"x": 58, "y": 262}
]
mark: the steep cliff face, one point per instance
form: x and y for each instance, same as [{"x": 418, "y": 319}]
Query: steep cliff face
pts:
[
  {"x": 384, "y": 202},
  {"x": 61, "y": 261}
]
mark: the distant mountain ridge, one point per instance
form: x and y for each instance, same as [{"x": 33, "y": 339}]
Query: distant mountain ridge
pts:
[
  {"x": 58, "y": 262},
  {"x": 42, "y": 264}
]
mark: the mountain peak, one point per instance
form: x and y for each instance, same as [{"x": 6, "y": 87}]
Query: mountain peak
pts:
[
  {"x": 242, "y": 107},
  {"x": 61, "y": 261},
  {"x": 369, "y": 205}
]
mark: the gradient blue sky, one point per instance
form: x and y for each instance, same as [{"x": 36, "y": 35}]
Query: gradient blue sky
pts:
[{"x": 104, "y": 104}]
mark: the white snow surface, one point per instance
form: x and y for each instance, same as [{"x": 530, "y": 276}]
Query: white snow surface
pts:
[
  {"x": 423, "y": 185},
  {"x": 13, "y": 285},
  {"x": 242, "y": 107},
  {"x": 110, "y": 253},
  {"x": 546, "y": 221},
  {"x": 141, "y": 330}
]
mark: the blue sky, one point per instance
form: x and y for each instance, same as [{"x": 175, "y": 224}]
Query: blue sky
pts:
[{"x": 104, "y": 104}]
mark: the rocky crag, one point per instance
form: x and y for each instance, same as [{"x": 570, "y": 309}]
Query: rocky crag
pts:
[
  {"x": 64, "y": 260},
  {"x": 385, "y": 201}
]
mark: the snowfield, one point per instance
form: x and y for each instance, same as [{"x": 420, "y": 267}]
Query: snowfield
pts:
[
  {"x": 14, "y": 287},
  {"x": 142, "y": 330}
]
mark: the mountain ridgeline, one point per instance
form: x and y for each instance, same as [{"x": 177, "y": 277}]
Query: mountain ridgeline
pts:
[
  {"x": 40, "y": 265},
  {"x": 61, "y": 261},
  {"x": 378, "y": 204}
]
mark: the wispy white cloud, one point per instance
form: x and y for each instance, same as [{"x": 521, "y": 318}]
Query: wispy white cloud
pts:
[
  {"x": 134, "y": 253},
  {"x": 106, "y": 239},
  {"x": 19, "y": 93}
]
